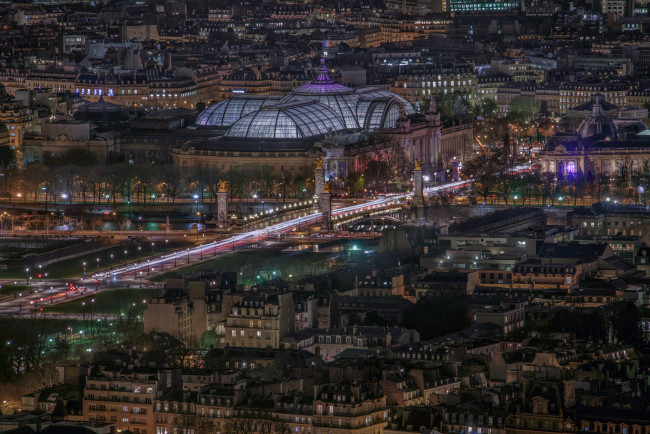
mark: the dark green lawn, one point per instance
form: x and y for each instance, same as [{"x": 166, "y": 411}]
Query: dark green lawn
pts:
[
  {"x": 107, "y": 301},
  {"x": 11, "y": 289},
  {"x": 254, "y": 266}
]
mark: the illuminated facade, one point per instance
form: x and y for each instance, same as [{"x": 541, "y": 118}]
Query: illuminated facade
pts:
[
  {"x": 598, "y": 146},
  {"x": 482, "y": 5},
  {"x": 18, "y": 120},
  {"x": 321, "y": 119}
]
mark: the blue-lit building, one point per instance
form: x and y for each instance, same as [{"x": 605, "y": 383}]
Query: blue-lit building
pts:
[{"x": 599, "y": 145}]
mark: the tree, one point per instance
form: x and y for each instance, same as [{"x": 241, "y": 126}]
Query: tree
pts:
[
  {"x": 522, "y": 111},
  {"x": 490, "y": 108},
  {"x": 35, "y": 177},
  {"x": 7, "y": 157},
  {"x": 356, "y": 182},
  {"x": 504, "y": 186},
  {"x": 625, "y": 319},
  {"x": 548, "y": 185},
  {"x": 485, "y": 169},
  {"x": 209, "y": 339},
  {"x": 386, "y": 163},
  {"x": 172, "y": 181}
]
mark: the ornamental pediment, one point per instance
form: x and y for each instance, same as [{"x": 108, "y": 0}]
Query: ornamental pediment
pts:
[{"x": 560, "y": 149}]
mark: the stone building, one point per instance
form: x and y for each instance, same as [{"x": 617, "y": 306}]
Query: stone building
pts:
[
  {"x": 323, "y": 119},
  {"x": 598, "y": 146},
  {"x": 123, "y": 396},
  {"x": 259, "y": 321}
]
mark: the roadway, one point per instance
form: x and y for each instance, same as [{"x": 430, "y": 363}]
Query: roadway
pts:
[{"x": 136, "y": 273}]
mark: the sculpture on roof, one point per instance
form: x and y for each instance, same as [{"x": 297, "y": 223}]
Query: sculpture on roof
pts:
[
  {"x": 222, "y": 186},
  {"x": 432, "y": 105}
]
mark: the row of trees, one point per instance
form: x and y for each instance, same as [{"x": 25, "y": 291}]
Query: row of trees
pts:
[
  {"x": 77, "y": 177},
  {"x": 493, "y": 178},
  {"x": 144, "y": 184}
]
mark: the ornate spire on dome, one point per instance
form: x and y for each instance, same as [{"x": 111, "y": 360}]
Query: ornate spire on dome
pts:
[
  {"x": 597, "y": 109},
  {"x": 323, "y": 78}
]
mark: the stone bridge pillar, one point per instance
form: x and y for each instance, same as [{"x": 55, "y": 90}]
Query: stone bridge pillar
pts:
[
  {"x": 222, "y": 205},
  {"x": 418, "y": 181},
  {"x": 319, "y": 178},
  {"x": 326, "y": 208}
]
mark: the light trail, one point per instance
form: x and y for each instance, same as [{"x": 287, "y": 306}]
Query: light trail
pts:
[
  {"x": 131, "y": 272},
  {"x": 254, "y": 236}
]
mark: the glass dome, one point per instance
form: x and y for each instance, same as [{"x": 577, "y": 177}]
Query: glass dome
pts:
[
  {"x": 225, "y": 113},
  {"x": 339, "y": 98},
  {"x": 287, "y": 121}
]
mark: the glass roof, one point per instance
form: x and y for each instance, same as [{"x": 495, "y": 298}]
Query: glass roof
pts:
[
  {"x": 309, "y": 110},
  {"x": 226, "y": 112},
  {"x": 287, "y": 121},
  {"x": 375, "y": 93},
  {"x": 343, "y": 105}
]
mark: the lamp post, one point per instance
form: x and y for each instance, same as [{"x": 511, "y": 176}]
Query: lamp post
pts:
[{"x": 198, "y": 221}]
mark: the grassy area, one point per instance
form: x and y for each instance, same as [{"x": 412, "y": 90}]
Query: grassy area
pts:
[
  {"x": 11, "y": 289},
  {"x": 255, "y": 266},
  {"x": 74, "y": 267},
  {"x": 107, "y": 301}
]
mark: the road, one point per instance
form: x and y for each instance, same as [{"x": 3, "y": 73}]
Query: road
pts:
[{"x": 136, "y": 273}]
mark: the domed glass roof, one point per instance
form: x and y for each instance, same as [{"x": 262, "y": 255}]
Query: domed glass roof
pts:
[
  {"x": 339, "y": 98},
  {"x": 597, "y": 126},
  {"x": 287, "y": 121},
  {"x": 225, "y": 113},
  {"x": 368, "y": 109}
]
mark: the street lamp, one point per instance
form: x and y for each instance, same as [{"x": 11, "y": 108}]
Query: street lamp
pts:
[{"x": 198, "y": 222}]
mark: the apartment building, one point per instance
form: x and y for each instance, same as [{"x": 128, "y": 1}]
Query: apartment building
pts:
[
  {"x": 418, "y": 84},
  {"x": 518, "y": 69},
  {"x": 259, "y": 321},
  {"x": 347, "y": 409},
  {"x": 178, "y": 313},
  {"x": 508, "y": 316},
  {"x": 123, "y": 396},
  {"x": 16, "y": 118},
  {"x": 181, "y": 87}
]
